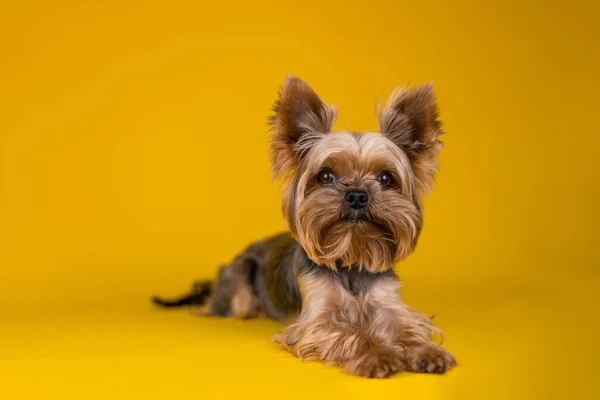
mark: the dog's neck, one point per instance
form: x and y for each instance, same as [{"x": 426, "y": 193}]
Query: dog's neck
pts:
[{"x": 354, "y": 279}]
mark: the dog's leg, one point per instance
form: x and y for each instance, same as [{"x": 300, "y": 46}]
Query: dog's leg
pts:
[
  {"x": 234, "y": 294},
  {"x": 231, "y": 295},
  {"x": 396, "y": 324},
  {"x": 329, "y": 330}
]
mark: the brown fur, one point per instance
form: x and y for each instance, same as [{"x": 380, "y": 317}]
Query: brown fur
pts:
[
  {"x": 327, "y": 230},
  {"x": 370, "y": 334},
  {"x": 410, "y": 120},
  {"x": 297, "y": 112},
  {"x": 332, "y": 276}
]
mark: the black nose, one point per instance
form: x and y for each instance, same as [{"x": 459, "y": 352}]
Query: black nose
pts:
[{"x": 357, "y": 199}]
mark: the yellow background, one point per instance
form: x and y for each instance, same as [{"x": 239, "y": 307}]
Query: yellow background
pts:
[{"x": 133, "y": 160}]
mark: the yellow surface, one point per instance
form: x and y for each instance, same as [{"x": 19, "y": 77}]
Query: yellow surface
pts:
[{"x": 133, "y": 160}]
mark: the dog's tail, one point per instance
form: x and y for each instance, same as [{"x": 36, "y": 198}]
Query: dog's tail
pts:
[{"x": 198, "y": 296}]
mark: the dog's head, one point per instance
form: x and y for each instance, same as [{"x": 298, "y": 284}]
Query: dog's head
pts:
[{"x": 354, "y": 199}]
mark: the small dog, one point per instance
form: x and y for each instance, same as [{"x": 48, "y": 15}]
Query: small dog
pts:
[{"x": 353, "y": 205}]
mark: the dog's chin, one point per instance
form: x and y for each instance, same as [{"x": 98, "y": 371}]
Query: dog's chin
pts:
[
  {"x": 356, "y": 241},
  {"x": 363, "y": 220}
]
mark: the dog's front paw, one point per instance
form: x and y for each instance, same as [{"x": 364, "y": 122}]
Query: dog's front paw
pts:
[
  {"x": 380, "y": 362},
  {"x": 429, "y": 358}
]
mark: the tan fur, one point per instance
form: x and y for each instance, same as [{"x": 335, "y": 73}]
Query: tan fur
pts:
[
  {"x": 235, "y": 289},
  {"x": 357, "y": 159},
  {"x": 329, "y": 330},
  {"x": 299, "y": 111},
  {"x": 244, "y": 303},
  {"x": 372, "y": 334},
  {"x": 302, "y": 145},
  {"x": 410, "y": 119}
]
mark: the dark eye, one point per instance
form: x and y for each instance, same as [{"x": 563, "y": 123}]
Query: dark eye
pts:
[
  {"x": 326, "y": 177},
  {"x": 385, "y": 178}
]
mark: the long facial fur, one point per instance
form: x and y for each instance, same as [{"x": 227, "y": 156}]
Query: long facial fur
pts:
[
  {"x": 326, "y": 228},
  {"x": 302, "y": 145}
]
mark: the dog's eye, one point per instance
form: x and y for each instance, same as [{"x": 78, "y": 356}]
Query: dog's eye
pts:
[
  {"x": 385, "y": 178},
  {"x": 326, "y": 177}
]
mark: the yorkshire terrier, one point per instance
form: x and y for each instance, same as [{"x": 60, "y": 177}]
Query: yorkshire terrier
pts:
[{"x": 353, "y": 206}]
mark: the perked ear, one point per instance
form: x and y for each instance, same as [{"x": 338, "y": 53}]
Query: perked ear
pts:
[
  {"x": 410, "y": 120},
  {"x": 300, "y": 118}
]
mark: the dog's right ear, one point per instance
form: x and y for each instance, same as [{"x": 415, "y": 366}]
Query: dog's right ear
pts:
[{"x": 300, "y": 118}]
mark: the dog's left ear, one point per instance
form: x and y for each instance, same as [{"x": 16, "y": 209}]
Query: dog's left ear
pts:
[
  {"x": 410, "y": 120},
  {"x": 300, "y": 118}
]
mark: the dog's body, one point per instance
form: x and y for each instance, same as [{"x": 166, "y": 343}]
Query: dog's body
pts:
[{"x": 353, "y": 204}]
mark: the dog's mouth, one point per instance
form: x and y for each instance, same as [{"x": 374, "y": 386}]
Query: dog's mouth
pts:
[
  {"x": 354, "y": 220},
  {"x": 363, "y": 219}
]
